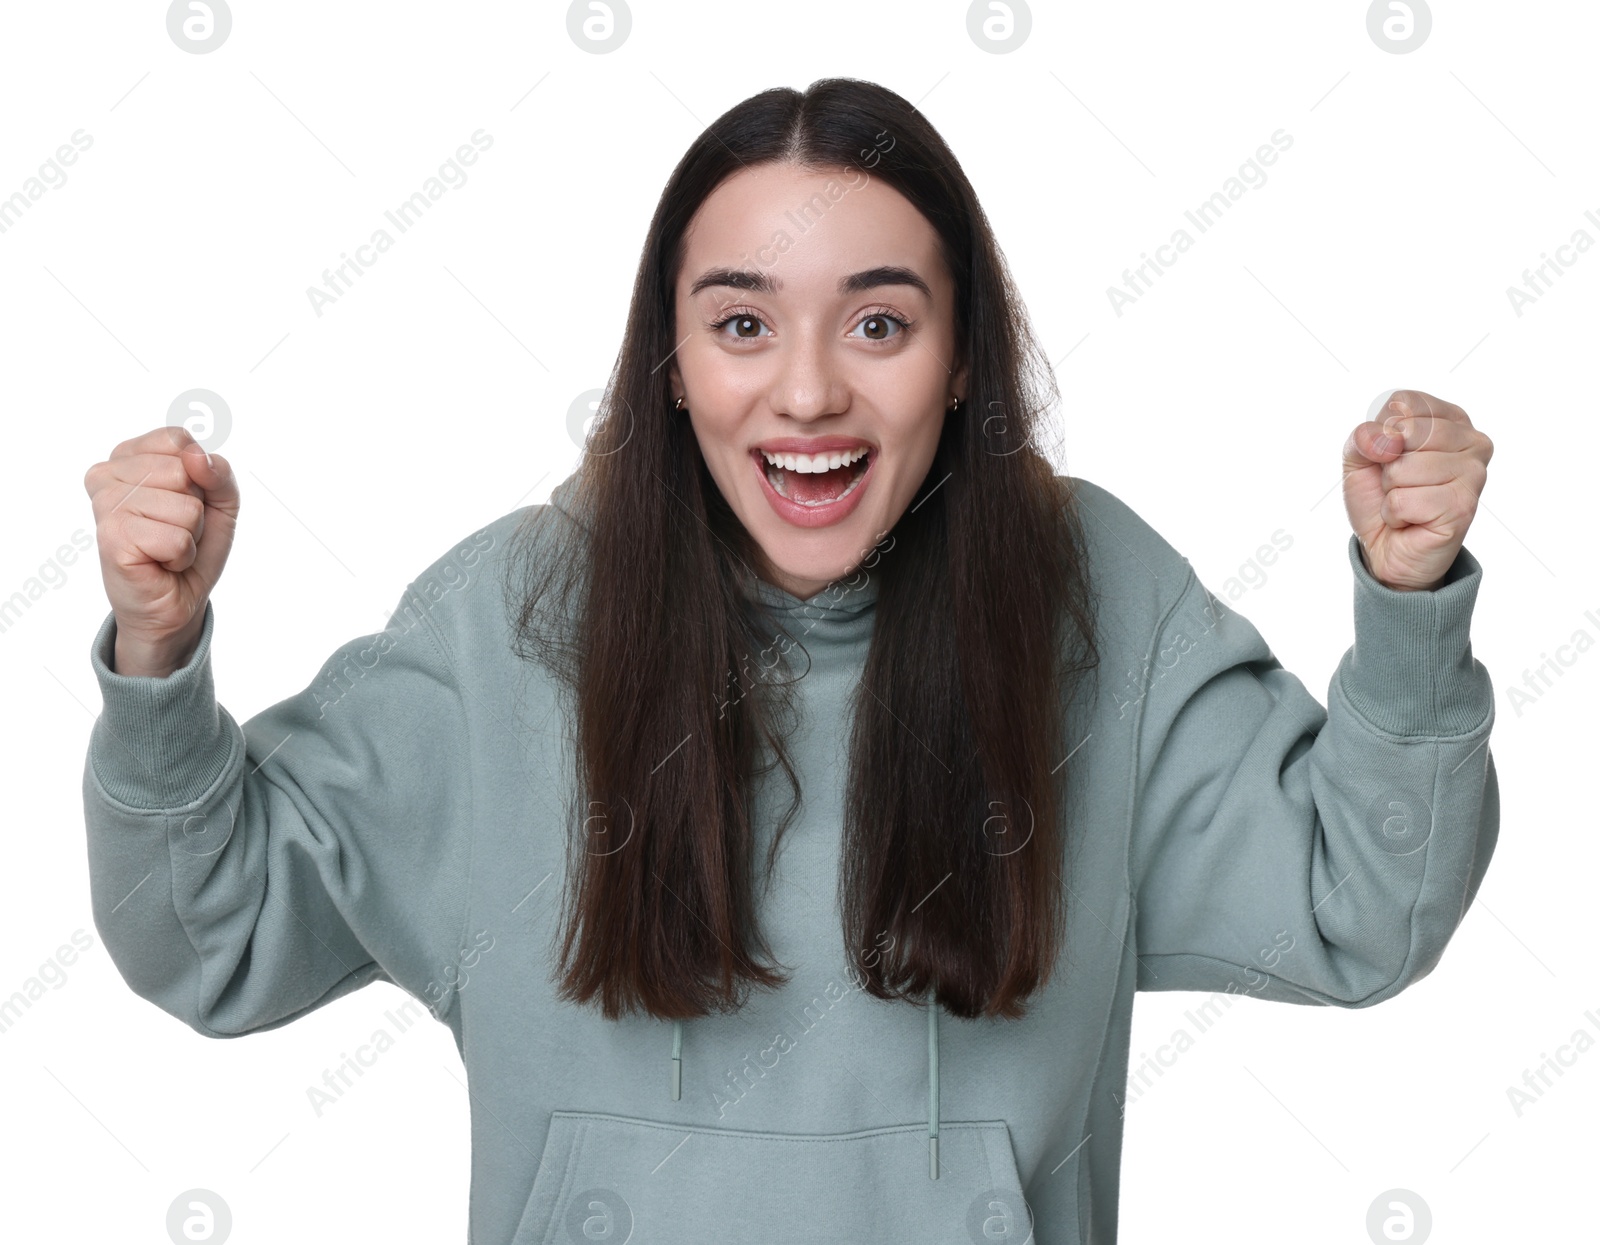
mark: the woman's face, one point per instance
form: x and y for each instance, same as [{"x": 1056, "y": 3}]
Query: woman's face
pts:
[{"x": 814, "y": 313}]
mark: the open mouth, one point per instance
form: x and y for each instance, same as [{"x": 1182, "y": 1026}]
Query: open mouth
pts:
[{"x": 816, "y": 480}]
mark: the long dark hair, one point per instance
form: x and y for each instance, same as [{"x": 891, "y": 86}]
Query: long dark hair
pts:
[{"x": 952, "y": 874}]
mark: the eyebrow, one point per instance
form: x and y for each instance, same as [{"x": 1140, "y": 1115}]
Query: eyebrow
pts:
[{"x": 760, "y": 283}]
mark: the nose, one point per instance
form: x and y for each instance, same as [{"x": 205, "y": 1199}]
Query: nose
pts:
[{"x": 808, "y": 383}]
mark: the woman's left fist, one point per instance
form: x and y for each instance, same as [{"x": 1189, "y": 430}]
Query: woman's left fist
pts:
[{"x": 1412, "y": 480}]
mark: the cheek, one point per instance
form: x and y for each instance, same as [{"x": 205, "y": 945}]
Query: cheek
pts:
[
  {"x": 919, "y": 437},
  {"x": 720, "y": 396},
  {"x": 717, "y": 429},
  {"x": 722, "y": 444}
]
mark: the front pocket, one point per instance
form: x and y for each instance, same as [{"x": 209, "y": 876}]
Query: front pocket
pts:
[{"x": 629, "y": 1181}]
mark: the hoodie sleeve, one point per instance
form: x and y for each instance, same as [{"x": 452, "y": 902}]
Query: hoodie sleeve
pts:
[
  {"x": 1301, "y": 854},
  {"x": 243, "y": 876}
]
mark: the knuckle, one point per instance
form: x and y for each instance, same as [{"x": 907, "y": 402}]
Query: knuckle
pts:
[
  {"x": 169, "y": 474},
  {"x": 110, "y": 529},
  {"x": 191, "y": 509}
]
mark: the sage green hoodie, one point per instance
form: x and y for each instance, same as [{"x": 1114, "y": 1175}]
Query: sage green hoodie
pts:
[{"x": 403, "y": 819}]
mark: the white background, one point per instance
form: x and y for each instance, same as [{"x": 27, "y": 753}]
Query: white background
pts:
[{"x": 433, "y": 396}]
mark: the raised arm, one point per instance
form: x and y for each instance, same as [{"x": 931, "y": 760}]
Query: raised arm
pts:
[
  {"x": 242, "y": 876},
  {"x": 1303, "y": 854}
]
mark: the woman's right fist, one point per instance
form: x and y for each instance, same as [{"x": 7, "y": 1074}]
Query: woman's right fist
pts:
[{"x": 164, "y": 512}]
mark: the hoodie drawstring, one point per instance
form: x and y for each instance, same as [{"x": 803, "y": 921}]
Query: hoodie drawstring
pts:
[
  {"x": 933, "y": 1081},
  {"x": 933, "y": 1089}
]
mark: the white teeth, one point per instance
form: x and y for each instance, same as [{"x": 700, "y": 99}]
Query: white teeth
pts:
[{"x": 812, "y": 463}]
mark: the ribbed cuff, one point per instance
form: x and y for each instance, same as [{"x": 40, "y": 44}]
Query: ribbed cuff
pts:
[
  {"x": 158, "y": 743},
  {"x": 1411, "y": 671}
]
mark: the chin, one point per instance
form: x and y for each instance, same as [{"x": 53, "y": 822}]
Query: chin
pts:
[
  {"x": 811, "y": 565},
  {"x": 806, "y": 550}
]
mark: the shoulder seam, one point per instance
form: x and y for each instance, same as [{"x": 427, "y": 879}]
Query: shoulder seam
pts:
[
  {"x": 442, "y": 646},
  {"x": 1136, "y": 791}
]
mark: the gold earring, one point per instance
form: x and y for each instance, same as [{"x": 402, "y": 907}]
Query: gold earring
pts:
[{"x": 678, "y": 405}]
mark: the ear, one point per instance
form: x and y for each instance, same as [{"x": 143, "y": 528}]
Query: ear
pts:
[
  {"x": 675, "y": 378},
  {"x": 958, "y": 380}
]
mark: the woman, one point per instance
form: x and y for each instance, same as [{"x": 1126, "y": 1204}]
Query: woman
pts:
[{"x": 818, "y": 770}]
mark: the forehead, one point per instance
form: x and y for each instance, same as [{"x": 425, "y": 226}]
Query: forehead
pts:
[{"x": 809, "y": 226}]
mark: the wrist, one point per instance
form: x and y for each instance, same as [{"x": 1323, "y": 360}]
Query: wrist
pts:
[
  {"x": 1366, "y": 564},
  {"x": 137, "y": 656}
]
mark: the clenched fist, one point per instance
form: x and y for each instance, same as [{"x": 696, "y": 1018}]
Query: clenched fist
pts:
[
  {"x": 164, "y": 512},
  {"x": 1411, "y": 487}
]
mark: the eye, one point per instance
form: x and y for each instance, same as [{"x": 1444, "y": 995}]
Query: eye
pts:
[
  {"x": 744, "y": 324},
  {"x": 878, "y": 325}
]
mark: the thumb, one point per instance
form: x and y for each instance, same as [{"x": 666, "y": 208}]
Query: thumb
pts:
[
  {"x": 214, "y": 474},
  {"x": 1370, "y": 444}
]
